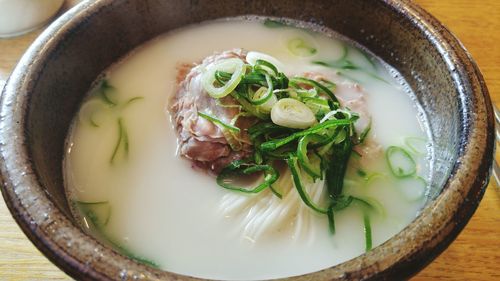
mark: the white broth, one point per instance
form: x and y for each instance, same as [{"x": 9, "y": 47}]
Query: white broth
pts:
[{"x": 121, "y": 163}]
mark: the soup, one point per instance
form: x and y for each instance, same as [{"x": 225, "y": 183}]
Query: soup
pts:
[{"x": 130, "y": 187}]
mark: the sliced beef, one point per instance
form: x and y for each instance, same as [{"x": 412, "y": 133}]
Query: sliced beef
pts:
[{"x": 199, "y": 139}]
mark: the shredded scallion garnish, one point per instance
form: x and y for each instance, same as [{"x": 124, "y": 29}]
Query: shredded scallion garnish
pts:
[
  {"x": 400, "y": 162},
  {"x": 219, "y": 122}
]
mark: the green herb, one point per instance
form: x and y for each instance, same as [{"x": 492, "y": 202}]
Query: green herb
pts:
[
  {"x": 295, "y": 81},
  {"x": 269, "y": 93},
  {"x": 292, "y": 164},
  {"x": 322, "y": 150},
  {"x": 350, "y": 77},
  {"x": 400, "y": 162},
  {"x": 134, "y": 99},
  {"x": 337, "y": 167},
  {"x": 361, "y": 173},
  {"x": 269, "y": 23},
  {"x": 365, "y": 132},
  {"x": 413, "y": 188},
  {"x": 93, "y": 123},
  {"x": 370, "y": 204},
  {"x": 239, "y": 167},
  {"x": 219, "y": 122},
  {"x": 275, "y": 192},
  {"x": 299, "y": 47},
  {"x": 126, "y": 252},
  {"x": 122, "y": 142},
  {"x": 416, "y": 145},
  {"x": 368, "y": 231},
  {"x": 369, "y": 59},
  {"x": 104, "y": 90},
  {"x": 373, "y": 176},
  {"x": 97, "y": 212},
  {"x": 265, "y": 67},
  {"x": 302, "y": 154},
  {"x": 331, "y": 219},
  {"x": 345, "y": 64},
  {"x": 274, "y": 144}
]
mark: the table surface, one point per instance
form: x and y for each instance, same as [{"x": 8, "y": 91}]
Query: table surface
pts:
[{"x": 474, "y": 255}]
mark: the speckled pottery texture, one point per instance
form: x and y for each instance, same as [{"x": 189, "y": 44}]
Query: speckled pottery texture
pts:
[{"x": 45, "y": 89}]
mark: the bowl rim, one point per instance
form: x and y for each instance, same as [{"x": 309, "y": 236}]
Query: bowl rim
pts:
[{"x": 21, "y": 187}]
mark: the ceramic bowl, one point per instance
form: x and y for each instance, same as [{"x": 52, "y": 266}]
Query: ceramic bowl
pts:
[{"x": 45, "y": 90}]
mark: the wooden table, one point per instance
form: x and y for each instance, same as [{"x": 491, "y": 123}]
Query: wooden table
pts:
[{"x": 474, "y": 255}]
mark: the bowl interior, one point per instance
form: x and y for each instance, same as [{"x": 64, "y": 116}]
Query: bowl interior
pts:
[{"x": 73, "y": 52}]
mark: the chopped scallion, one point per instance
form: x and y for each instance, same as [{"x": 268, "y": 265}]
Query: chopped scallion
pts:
[
  {"x": 219, "y": 122},
  {"x": 301, "y": 48},
  {"x": 292, "y": 164},
  {"x": 368, "y": 231},
  {"x": 400, "y": 162},
  {"x": 239, "y": 167},
  {"x": 122, "y": 141},
  {"x": 274, "y": 144}
]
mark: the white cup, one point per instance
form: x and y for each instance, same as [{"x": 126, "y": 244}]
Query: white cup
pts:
[{"x": 21, "y": 16}]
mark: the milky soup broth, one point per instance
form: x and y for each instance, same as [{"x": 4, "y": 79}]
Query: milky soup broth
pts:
[{"x": 128, "y": 185}]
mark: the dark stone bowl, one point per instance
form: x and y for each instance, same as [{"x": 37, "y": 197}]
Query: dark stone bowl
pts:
[{"x": 46, "y": 88}]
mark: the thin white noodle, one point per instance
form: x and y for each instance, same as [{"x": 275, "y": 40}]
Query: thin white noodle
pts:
[{"x": 264, "y": 213}]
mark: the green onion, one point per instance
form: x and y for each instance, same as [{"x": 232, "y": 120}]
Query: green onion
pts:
[
  {"x": 342, "y": 64},
  {"x": 104, "y": 89},
  {"x": 369, "y": 59},
  {"x": 97, "y": 212},
  {"x": 247, "y": 106},
  {"x": 259, "y": 98},
  {"x": 262, "y": 128},
  {"x": 265, "y": 67},
  {"x": 368, "y": 231},
  {"x": 219, "y": 123},
  {"x": 345, "y": 53},
  {"x": 337, "y": 167},
  {"x": 341, "y": 202},
  {"x": 121, "y": 142},
  {"x": 413, "y": 188},
  {"x": 301, "y": 80},
  {"x": 331, "y": 219},
  {"x": 292, "y": 164},
  {"x": 126, "y": 252},
  {"x": 337, "y": 204},
  {"x": 232, "y": 65},
  {"x": 305, "y": 162},
  {"x": 350, "y": 77},
  {"x": 317, "y": 105},
  {"x": 365, "y": 132},
  {"x": 348, "y": 65},
  {"x": 272, "y": 145},
  {"x": 416, "y": 145},
  {"x": 274, "y": 24},
  {"x": 400, "y": 162},
  {"x": 370, "y": 204},
  {"x": 239, "y": 167},
  {"x": 361, "y": 173},
  {"x": 134, "y": 99},
  {"x": 373, "y": 176},
  {"x": 218, "y": 102},
  {"x": 90, "y": 109},
  {"x": 301, "y": 48},
  {"x": 275, "y": 192}
]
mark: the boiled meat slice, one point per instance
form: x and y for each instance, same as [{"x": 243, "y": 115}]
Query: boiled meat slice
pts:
[{"x": 199, "y": 139}]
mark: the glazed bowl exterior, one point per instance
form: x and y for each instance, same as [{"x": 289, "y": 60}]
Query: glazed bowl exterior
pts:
[{"x": 46, "y": 88}]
